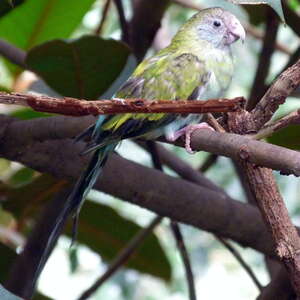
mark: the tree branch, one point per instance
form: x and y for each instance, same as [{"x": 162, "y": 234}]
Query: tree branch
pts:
[
  {"x": 231, "y": 145},
  {"x": 122, "y": 257},
  {"x": 157, "y": 163},
  {"x": 185, "y": 259},
  {"x": 12, "y": 53},
  {"x": 106, "y": 7},
  {"x": 167, "y": 196},
  {"x": 275, "y": 214},
  {"x": 76, "y": 107},
  {"x": 236, "y": 146},
  {"x": 145, "y": 23},
  {"x": 123, "y": 23},
  {"x": 282, "y": 87},
  {"x": 239, "y": 258},
  {"x": 32, "y": 259},
  {"x": 259, "y": 86},
  {"x": 292, "y": 118},
  {"x": 279, "y": 288}
]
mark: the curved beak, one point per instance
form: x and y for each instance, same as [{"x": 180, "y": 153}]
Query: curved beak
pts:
[{"x": 236, "y": 31}]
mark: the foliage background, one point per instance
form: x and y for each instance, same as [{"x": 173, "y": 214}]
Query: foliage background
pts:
[{"x": 106, "y": 223}]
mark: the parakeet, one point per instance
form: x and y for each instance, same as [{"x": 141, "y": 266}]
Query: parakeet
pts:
[{"x": 197, "y": 64}]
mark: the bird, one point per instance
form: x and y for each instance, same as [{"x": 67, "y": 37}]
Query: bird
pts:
[{"x": 198, "y": 64}]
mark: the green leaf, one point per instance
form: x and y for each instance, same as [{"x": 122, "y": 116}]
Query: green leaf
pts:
[
  {"x": 4, "y": 89},
  {"x": 21, "y": 177},
  {"x": 7, "y": 6},
  {"x": 30, "y": 198},
  {"x": 35, "y": 22},
  {"x": 275, "y": 4},
  {"x": 294, "y": 4},
  {"x": 106, "y": 232},
  {"x": 82, "y": 68},
  {"x": 287, "y": 137},
  {"x": 39, "y": 296},
  {"x": 73, "y": 259},
  {"x": 257, "y": 14},
  {"x": 28, "y": 113},
  {"x": 7, "y": 257}
]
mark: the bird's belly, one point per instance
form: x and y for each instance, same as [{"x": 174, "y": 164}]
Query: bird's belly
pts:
[
  {"x": 212, "y": 90},
  {"x": 177, "y": 124}
]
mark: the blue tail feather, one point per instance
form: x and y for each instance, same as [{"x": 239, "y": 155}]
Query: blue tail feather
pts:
[{"x": 75, "y": 201}]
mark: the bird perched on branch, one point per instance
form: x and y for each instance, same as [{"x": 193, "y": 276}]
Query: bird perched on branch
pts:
[{"x": 197, "y": 64}]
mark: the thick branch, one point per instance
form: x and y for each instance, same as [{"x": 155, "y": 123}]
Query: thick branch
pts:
[
  {"x": 276, "y": 216},
  {"x": 145, "y": 23},
  {"x": 285, "y": 84},
  {"x": 163, "y": 194},
  {"x": 236, "y": 146},
  {"x": 231, "y": 145},
  {"x": 76, "y": 107},
  {"x": 279, "y": 288},
  {"x": 259, "y": 86}
]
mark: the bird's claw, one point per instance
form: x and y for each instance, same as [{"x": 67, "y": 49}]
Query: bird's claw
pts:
[{"x": 187, "y": 131}]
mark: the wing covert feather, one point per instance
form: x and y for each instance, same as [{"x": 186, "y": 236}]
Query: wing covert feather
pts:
[{"x": 168, "y": 77}]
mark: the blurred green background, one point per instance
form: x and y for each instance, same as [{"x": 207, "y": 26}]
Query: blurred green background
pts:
[{"x": 106, "y": 223}]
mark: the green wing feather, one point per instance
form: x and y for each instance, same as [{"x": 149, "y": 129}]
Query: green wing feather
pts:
[{"x": 164, "y": 77}]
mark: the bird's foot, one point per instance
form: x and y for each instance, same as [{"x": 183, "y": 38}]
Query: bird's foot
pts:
[{"x": 187, "y": 131}]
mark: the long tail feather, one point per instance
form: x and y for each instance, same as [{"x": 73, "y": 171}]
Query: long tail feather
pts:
[{"x": 74, "y": 202}]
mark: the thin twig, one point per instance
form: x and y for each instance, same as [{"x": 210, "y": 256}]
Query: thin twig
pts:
[
  {"x": 122, "y": 257},
  {"x": 239, "y": 258},
  {"x": 76, "y": 107},
  {"x": 123, "y": 22},
  {"x": 216, "y": 125},
  {"x": 269, "y": 129},
  {"x": 185, "y": 258},
  {"x": 259, "y": 86},
  {"x": 176, "y": 230},
  {"x": 208, "y": 163},
  {"x": 106, "y": 7},
  {"x": 12, "y": 53},
  {"x": 280, "y": 89}
]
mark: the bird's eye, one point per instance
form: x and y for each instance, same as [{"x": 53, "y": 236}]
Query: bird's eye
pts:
[{"x": 217, "y": 23}]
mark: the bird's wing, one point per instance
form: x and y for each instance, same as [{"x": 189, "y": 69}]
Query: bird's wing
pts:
[{"x": 167, "y": 77}]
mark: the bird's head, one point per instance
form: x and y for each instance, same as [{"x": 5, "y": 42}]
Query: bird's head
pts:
[{"x": 214, "y": 25}]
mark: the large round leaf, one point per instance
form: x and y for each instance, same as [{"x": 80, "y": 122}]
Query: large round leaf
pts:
[
  {"x": 288, "y": 137},
  {"x": 106, "y": 232},
  {"x": 82, "y": 68},
  {"x": 100, "y": 227},
  {"x": 35, "y": 22}
]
